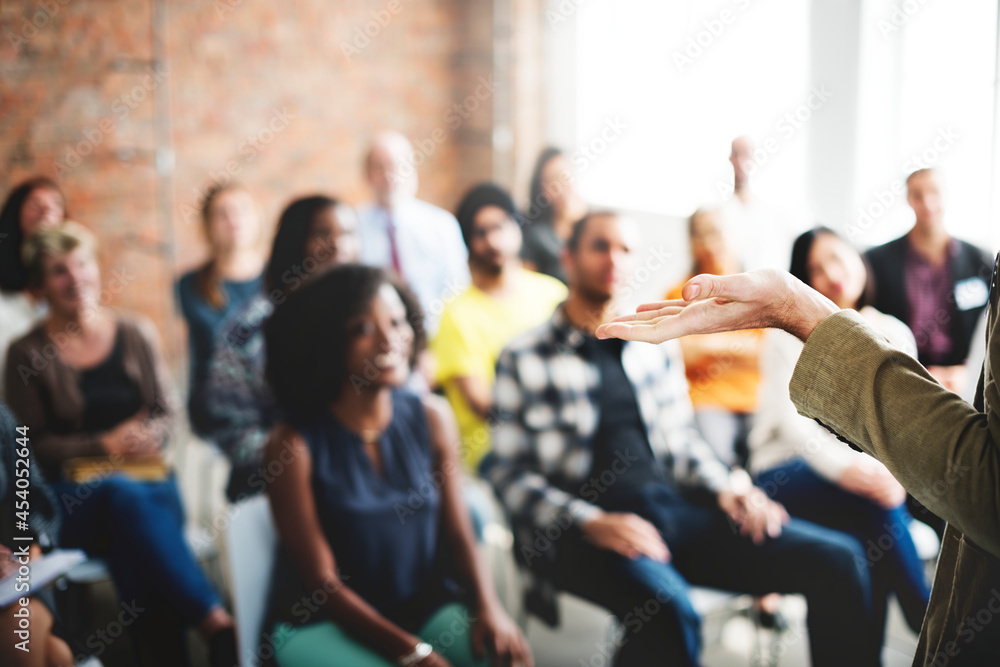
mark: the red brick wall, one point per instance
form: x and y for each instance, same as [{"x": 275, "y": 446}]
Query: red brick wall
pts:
[{"x": 285, "y": 94}]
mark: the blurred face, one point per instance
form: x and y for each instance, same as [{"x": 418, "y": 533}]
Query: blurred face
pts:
[
  {"x": 389, "y": 171},
  {"x": 708, "y": 245},
  {"x": 495, "y": 239},
  {"x": 741, "y": 158},
  {"x": 604, "y": 258},
  {"x": 923, "y": 194},
  {"x": 333, "y": 236},
  {"x": 71, "y": 282},
  {"x": 836, "y": 271},
  {"x": 233, "y": 221},
  {"x": 42, "y": 208},
  {"x": 381, "y": 341},
  {"x": 557, "y": 184}
]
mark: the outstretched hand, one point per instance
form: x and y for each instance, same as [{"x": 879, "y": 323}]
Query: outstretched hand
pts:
[{"x": 758, "y": 299}]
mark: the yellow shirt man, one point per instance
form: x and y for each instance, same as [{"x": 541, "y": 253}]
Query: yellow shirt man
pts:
[{"x": 474, "y": 329}]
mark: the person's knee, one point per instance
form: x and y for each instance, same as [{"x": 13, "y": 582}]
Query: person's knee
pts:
[
  {"x": 57, "y": 652},
  {"x": 841, "y": 564},
  {"x": 124, "y": 493}
]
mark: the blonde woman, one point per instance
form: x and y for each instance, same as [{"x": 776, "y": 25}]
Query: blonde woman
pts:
[{"x": 89, "y": 381}]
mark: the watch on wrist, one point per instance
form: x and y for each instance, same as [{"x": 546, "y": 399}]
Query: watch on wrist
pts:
[{"x": 419, "y": 652}]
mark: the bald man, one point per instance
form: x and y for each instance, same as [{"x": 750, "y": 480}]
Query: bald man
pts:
[
  {"x": 419, "y": 241},
  {"x": 761, "y": 231}
]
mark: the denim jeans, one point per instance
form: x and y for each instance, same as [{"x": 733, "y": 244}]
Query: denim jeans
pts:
[
  {"x": 883, "y": 534},
  {"x": 651, "y": 598},
  {"x": 138, "y": 527}
]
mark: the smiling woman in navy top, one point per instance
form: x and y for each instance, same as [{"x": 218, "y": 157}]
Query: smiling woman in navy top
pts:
[{"x": 366, "y": 491}]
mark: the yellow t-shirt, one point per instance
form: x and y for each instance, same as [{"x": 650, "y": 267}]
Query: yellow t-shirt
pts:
[
  {"x": 473, "y": 331},
  {"x": 716, "y": 381}
]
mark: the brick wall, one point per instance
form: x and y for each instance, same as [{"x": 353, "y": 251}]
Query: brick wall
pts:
[{"x": 137, "y": 105}]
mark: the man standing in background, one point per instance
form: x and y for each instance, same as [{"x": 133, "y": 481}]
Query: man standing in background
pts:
[
  {"x": 934, "y": 283},
  {"x": 760, "y": 230},
  {"x": 417, "y": 240}
]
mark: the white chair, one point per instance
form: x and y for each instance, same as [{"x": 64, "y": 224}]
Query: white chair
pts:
[
  {"x": 250, "y": 542},
  {"x": 926, "y": 541}
]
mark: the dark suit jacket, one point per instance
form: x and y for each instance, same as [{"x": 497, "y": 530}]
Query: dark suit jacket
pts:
[{"x": 887, "y": 264}]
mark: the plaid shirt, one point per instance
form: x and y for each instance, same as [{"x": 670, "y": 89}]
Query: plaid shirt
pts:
[{"x": 548, "y": 412}]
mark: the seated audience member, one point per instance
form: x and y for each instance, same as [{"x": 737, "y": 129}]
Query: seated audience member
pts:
[
  {"x": 721, "y": 369},
  {"x": 368, "y": 503},
  {"x": 418, "y": 241},
  {"x": 936, "y": 284},
  {"x": 90, "y": 382},
  {"x": 553, "y": 208},
  {"x": 34, "y": 204},
  {"x": 314, "y": 233},
  {"x": 595, "y": 443},
  {"x": 503, "y": 300},
  {"x": 44, "y": 647},
  {"x": 805, "y": 468},
  {"x": 214, "y": 291}
]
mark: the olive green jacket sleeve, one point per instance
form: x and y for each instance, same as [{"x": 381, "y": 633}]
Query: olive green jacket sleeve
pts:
[{"x": 941, "y": 448}]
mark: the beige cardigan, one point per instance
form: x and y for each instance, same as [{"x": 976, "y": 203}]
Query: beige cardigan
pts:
[
  {"x": 945, "y": 451},
  {"x": 42, "y": 389}
]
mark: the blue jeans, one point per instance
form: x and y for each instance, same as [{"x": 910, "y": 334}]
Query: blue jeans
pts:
[
  {"x": 884, "y": 534},
  {"x": 138, "y": 527},
  {"x": 651, "y": 598}
]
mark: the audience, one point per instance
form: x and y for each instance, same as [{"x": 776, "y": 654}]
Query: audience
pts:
[
  {"x": 47, "y": 647},
  {"x": 593, "y": 444},
  {"x": 420, "y": 242},
  {"x": 936, "y": 284},
  {"x": 503, "y": 300},
  {"x": 721, "y": 369},
  {"x": 367, "y": 501},
  {"x": 553, "y": 206},
  {"x": 89, "y": 382},
  {"x": 312, "y": 364},
  {"x": 217, "y": 289},
  {"x": 805, "y": 468},
  {"x": 314, "y": 233},
  {"x": 36, "y": 203}
]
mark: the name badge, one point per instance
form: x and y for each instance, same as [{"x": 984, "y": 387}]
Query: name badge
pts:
[{"x": 971, "y": 293}]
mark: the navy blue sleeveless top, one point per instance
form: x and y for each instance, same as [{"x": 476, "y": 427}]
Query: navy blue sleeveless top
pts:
[{"x": 383, "y": 529}]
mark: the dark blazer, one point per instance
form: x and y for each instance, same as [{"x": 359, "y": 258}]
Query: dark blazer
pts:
[{"x": 888, "y": 273}]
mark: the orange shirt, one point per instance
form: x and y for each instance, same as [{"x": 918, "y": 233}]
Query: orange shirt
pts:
[{"x": 719, "y": 372}]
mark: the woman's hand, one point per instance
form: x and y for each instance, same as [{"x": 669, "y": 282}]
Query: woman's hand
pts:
[
  {"x": 710, "y": 304},
  {"x": 758, "y": 516},
  {"x": 873, "y": 480},
  {"x": 494, "y": 632},
  {"x": 132, "y": 437}
]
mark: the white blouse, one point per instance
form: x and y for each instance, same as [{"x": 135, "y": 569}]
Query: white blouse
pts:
[
  {"x": 779, "y": 432},
  {"x": 18, "y": 314}
]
